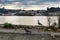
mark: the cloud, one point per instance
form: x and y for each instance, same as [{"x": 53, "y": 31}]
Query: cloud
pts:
[{"x": 30, "y": 4}]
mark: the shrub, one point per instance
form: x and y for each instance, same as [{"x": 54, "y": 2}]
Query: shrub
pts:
[{"x": 8, "y": 25}]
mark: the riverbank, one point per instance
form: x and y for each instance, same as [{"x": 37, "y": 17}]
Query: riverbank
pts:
[
  {"x": 21, "y": 31},
  {"x": 12, "y": 34},
  {"x": 20, "y": 34}
]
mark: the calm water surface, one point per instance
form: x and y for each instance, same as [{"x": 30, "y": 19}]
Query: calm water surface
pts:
[{"x": 27, "y": 20}]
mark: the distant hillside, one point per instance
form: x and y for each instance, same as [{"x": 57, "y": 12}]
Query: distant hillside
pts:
[{"x": 11, "y": 12}]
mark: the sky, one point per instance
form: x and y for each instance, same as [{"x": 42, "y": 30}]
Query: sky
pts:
[{"x": 29, "y": 4}]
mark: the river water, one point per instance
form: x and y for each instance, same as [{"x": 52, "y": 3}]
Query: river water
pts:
[{"x": 28, "y": 20}]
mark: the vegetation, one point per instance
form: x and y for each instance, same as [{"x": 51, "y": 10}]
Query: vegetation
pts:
[{"x": 8, "y": 25}]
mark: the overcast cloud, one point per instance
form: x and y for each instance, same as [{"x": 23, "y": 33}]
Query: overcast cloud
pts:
[{"x": 29, "y": 4}]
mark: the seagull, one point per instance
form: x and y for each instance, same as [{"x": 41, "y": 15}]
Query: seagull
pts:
[
  {"x": 39, "y": 23},
  {"x": 26, "y": 30},
  {"x": 54, "y": 23}
]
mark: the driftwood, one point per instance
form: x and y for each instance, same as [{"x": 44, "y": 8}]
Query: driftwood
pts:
[{"x": 52, "y": 28}]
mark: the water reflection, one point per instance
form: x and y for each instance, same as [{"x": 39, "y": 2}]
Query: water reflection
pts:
[{"x": 27, "y": 20}]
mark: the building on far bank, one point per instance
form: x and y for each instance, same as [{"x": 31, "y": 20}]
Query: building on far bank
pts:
[{"x": 53, "y": 11}]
